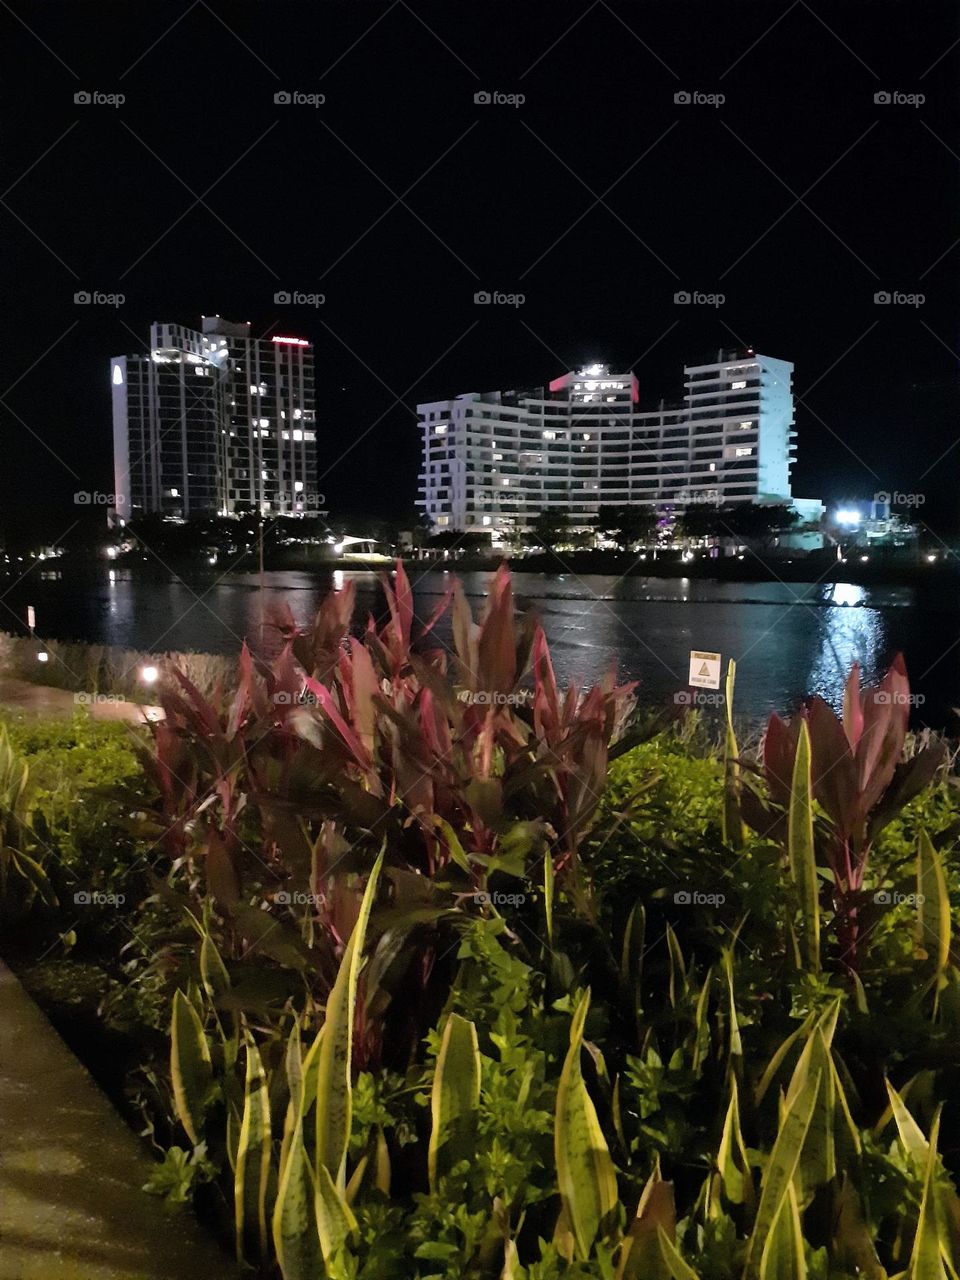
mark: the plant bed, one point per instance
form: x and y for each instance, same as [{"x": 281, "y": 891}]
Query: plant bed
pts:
[{"x": 438, "y": 970}]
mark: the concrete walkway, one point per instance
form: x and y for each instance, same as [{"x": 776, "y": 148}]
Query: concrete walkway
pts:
[
  {"x": 71, "y": 1172},
  {"x": 43, "y": 700}
]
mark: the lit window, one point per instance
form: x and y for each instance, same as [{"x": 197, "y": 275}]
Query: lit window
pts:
[
  {"x": 264, "y": 422},
  {"x": 745, "y": 426},
  {"x": 586, "y": 435},
  {"x": 487, "y": 520},
  {"x": 298, "y": 413},
  {"x": 738, "y": 386},
  {"x": 254, "y": 391},
  {"x": 744, "y": 453},
  {"x": 174, "y": 493},
  {"x": 297, "y": 434},
  {"x": 505, "y": 480},
  {"x": 264, "y": 475},
  {"x": 549, "y": 435},
  {"x": 713, "y": 466},
  {"x": 498, "y": 457},
  {"x": 440, "y": 429},
  {"x": 443, "y": 519},
  {"x": 117, "y": 376},
  {"x": 298, "y": 486}
]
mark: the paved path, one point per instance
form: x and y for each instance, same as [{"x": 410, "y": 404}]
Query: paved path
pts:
[
  {"x": 71, "y": 1172},
  {"x": 42, "y": 700}
]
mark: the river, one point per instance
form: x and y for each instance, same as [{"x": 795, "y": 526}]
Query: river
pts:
[{"x": 788, "y": 639}]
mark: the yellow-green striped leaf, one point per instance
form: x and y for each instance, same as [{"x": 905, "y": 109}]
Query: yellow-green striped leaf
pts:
[
  {"x": 818, "y": 1158},
  {"x": 548, "y": 887},
  {"x": 190, "y": 1067},
  {"x": 295, "y": 1236},
  {"x": 641, "y": 1257},
  {"x": 216, "y": 983},
  {"x": 732, "y": 821},
  {"x": 781, "y": 1166},
  {"x": 253, "y": 1158},
  {"x": 801, "y": 852},
  {"x": 335, "y": 1220},
  {"x": 933, "y": 928},
  {"x": 926, "y": 1258},
  {"x": 783, "y": 1256},
  {"x": 334, "y": 1083},
  {"x": 585, "y": 1172},
  {"x": 454, "y": 1099},
  {"x": 676, "y": 1267},
  {"x": 732, "y": 1163}
]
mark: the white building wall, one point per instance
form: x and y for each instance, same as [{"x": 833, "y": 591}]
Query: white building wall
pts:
[{"x": 495, "y": 461}]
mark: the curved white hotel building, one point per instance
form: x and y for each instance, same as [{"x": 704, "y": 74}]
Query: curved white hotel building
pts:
[{"x": 493, "y": 461}]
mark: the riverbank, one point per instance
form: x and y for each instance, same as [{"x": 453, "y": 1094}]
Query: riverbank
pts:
[{"x": 893, "y": 567}]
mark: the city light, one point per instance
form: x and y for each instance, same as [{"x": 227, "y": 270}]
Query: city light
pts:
[
  {"x": 149, "y": 675},
  {"x": 294, "y": 342},
  {"x": 848, "y": 516},
  {"x": 43, "y": 656}
]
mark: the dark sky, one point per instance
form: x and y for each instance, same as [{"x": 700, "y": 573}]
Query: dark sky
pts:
[{"x": 798, "y": 198}]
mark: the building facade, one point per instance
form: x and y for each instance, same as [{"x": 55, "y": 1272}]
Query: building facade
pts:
[
  {"x": 494, "y": 461},
  {"x": 214, "y": 422}
]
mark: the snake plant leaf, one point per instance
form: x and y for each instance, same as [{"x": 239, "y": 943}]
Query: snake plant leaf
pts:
[
  {"x": 335, "y": 1220},
  {"x": 910, "y": 1133},
  {"x": 216, "y": 983},
  {"x": 736, "y": 1044},
  {"x": 295, "y": 1236},
  {"x": 191, "y": 1068},
  {"x": 455, "y": 1098},
  {"x": 818, "y": 1157},
  {"x": 585, "y": 1172},
  {"x": 334, "y": 1081},
  {"x": 783, "y": 1257},
  {"x": 548, "y": 892},
  {"x": 781, "y": 1166},
  {"x": 677, "y": 1269},
  {"x": 802, "y": 854},
  {"x": 732, "y": 1163},
  {"x": 933, "y": 928},
  {"x": 926, "y": 1258},
  {"x": 776, "y": 1062},
  {"x": 252, "y": 1170},
  {"x": 732, "y": 819},
  {"x": 701, "y": 1023},
  {"x": 679, "y": 981}
]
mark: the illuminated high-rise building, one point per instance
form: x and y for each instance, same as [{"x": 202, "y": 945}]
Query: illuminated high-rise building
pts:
[
  {"x": 494, "y": 461},
  {"x": 214, "y": 422}
]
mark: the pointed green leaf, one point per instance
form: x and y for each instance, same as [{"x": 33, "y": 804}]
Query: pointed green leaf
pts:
[
  {"x": 926, "y": 1258},
  {"x": 802, "y": 854},
  {"x": 253, "y": 1157},
  {"x": 190, "y": 1066},
  {"x": 732, "y": 1163},
  {"x": 335, "y": 1220},
  {"x": 934, "y": 927},
  {"x": 585, "y": 1172},
  {"x": 454, "y": 1099},
  {"x": 295, "y": 1236},
  {"x": 780, "y": 1168},
  {"x": 334, "y": 1081},
  {"x": 676, "y": 1266},
  {"x": 732, "y": 819},
  {"x": 783, "y": 1257}
]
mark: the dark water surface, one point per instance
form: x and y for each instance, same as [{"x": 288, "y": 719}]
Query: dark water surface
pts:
[{"x": 788, "y": 639}]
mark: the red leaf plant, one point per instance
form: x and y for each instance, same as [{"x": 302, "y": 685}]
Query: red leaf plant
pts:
[
  {"x": 465, "y": 763},
  {"x": 861, "y": 780}
]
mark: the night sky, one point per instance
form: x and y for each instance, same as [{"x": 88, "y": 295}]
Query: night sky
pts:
[{"x": 598, "y": 198}]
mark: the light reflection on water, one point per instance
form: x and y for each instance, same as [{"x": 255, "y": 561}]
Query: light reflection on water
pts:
[{"x": 789, "y": 639}]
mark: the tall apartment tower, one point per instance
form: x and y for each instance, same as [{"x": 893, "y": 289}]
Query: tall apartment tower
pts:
[
  {"x": 214, "y": 422},
  {"x": 493, "y": 461}
]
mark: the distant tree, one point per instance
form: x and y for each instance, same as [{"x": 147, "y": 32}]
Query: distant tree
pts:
[
  {"x": 699, "y": 520},
  {"x": 627, "y": 525},
  {"x": 755, "y": 523},
  {"x": 550, "y": 528}
]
